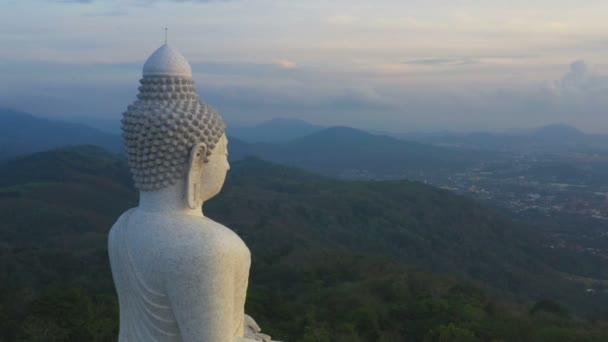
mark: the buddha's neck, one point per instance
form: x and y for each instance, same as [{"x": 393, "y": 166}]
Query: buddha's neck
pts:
[{"x": 169, "y": 200}]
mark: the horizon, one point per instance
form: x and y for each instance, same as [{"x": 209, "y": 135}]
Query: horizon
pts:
[
  {"x": 114, "y": 127},
  {"x": 461, "y": 66}
]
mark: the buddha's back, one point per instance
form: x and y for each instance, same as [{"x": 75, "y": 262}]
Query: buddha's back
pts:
[{"x": 178, "y": 277}]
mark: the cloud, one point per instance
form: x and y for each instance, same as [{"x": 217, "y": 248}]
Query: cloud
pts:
[
  {"x": 576, "y": 77},
  {"x": 443, "y": 61},
  {"x": 142, "y": 2},
  {"x": 110, "y": 13},
  {"x": 581, "y": 84},
  {"x": 287, "y": 64},
  {"x": 576, "y": 98}
]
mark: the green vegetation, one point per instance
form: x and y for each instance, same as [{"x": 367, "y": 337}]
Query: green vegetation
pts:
[
  {"x": 330, "y": 258},
  {"x": 345, "y": 297},
  {"x": 277, "y": 209}
]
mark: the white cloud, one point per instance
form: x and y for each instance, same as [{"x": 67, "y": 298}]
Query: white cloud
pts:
[{"x": 287, "y": 64}]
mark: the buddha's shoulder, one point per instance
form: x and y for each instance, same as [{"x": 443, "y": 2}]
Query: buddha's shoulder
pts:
[
  {"x": 201, "y": 240},
  {"x": 121, "y": 221},
  {"x": 181, "y": 231},
  {"x": 204, "y": 227},
  {"x": 200, "y": 231}
]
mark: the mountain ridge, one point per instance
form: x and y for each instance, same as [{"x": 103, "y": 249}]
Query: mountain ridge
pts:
[
  {"x": 23, "y": 133},
  {"x": 275, "y": 130},
  {"x": 351, "y": 153},
  {"x": 552, "y": 137},
  {"x": 334, "y": 151}
]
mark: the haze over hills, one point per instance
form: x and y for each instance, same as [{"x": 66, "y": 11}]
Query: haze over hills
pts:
[
  {"x": 23, "y": 133},
  {"x": 558, "y": 133},
  {"x": 275, "y": 130},
  {"x": 549, "y": 136},
  {"x": 555, "y": 137},
  {"x": 350, "y": 153},
  {"x": 283, "y": 141},
  {"x": 334, "y": 151}
]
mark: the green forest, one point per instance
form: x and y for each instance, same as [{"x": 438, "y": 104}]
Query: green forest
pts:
[{"x": 332, "y": 260}]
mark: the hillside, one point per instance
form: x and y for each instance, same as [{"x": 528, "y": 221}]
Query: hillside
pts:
[
  {"x": 405, "y": 221},
  {"x": 550, "y": 138},
  {"x": 329, "y": 256},
  {"x": 275, "y": 130},
  {"x": 557, "y": 133},
  {"x": 23, "y": 133},
  {"x": 350, "y": 153}
]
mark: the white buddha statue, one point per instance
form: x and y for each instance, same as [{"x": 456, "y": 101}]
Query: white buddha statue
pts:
[{"x": 179, "y": 275}]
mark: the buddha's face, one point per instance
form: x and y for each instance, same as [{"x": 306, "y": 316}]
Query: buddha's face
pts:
[{"x": 214, "y": 171}]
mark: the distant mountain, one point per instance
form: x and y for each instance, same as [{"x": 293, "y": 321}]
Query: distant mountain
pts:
[
  {"x": 352, "y": 153},
  {"x": 559, "y": 133},
  {"x": 557, "y": 137},
  {"x": 110, "y": 125},
  {"x": 336, "y": 151},
  {"x": 22, "y": 133},
  {"x": 276, "y": 130},
  {"x": 238, "y": 149},
  {"x": 68, "y": 164}
]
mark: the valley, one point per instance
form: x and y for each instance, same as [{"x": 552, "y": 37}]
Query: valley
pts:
[{"x": 315, "y": 240}]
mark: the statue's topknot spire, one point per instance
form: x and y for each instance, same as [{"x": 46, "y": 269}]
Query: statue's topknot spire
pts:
[{"x": 168, "y": 62}]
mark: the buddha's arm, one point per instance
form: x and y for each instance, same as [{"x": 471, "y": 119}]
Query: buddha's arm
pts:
[
  {"x": 253, "y": 330},
  {"x": 201, "y": 292}
]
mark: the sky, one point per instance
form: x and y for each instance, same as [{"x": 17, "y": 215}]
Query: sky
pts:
[{"x": 392, "y": 65}]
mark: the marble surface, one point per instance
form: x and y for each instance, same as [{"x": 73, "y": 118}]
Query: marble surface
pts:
[
  {"x": 178, "y": 277},
  {"x": 167, "y": 61}
]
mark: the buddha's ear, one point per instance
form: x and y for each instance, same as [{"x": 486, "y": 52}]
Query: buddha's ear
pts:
[{"x": 198, "y": 154}]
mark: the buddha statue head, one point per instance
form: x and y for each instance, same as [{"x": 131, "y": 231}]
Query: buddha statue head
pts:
[{"x": 172, "y": 138}]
